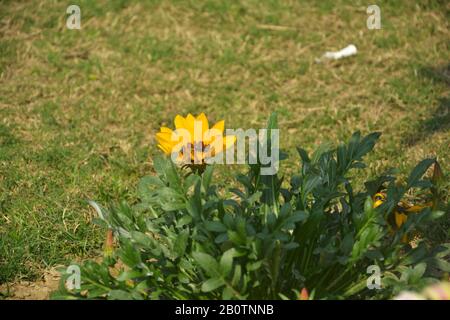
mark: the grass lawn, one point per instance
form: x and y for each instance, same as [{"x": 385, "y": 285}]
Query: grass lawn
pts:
[{"x": 79, "y": 108}]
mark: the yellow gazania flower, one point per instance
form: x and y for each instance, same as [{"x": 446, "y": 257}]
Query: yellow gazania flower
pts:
[
  {"x": 400, "y": 213},
  {"x": 192, "y": 141}
]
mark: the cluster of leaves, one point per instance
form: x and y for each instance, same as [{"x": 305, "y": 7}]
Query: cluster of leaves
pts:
[{"x": 186, "y": 240}]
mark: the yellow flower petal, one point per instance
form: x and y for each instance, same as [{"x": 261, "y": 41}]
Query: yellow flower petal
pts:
[
  {"x": 400, "y": 219},
  {"x": 377, "y": 203},
  {"x": 180, "y": 122},
  {"x": 219, "y": 126},
  {"x": 205, "y": 125},
  {"x": 164, "y": 148},
  {"x": 190, "y": 119},
  {"x": 165, "y": 129},
  {"x": 166, "y": 137},
  {"x": 189, "y": 125}
]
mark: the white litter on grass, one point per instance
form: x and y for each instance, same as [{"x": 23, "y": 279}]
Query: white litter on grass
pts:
[{"x": 348, "y": 51}]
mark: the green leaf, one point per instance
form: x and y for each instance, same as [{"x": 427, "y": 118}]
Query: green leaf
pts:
[
  {"x": 194, "y": 203},
  {"x": 207, "y": 263},
  {"x": 436, "y": 214},
  {"x": 417, "y": 272},
  {"x": 184, "y": 220},
  {"x": 298, "y": 216},
  {"x": 311, "y": 183},
  {"x": 237, "y": 275},
  {"x": 226, "y": 261},
  {"x": 273, "y": 122},
  {"x": 190, "y": 181},
  {"x": 170, "y": 199},
  {"x": 212, "y": 284},
  {"x": 252, "y": 266},
  {"x": 254, "y": 198},
  {"x": 129, "y": 255},
  {"x": 418, "y": 172},
  {"x": 119, "y": 295},
  {"x": 441, "y": 264},
  {"x": 367, "y": 144},
  {"x": 215, "y": 226},
  {"x": 323, "y": 148},
  {"x": 355, "y": 288},
  {"x": 347, "y": 243},
  {"x": 442, "y": 250},
  {"x": 141, "y": 238},
  {"x": 368, "y": 205},
  {"x": 303, "y": 155},
  {"x": 172, "y": 175},
  {"x": 235, "y": 237},
  {"x": 160, "y": 164},
  {"x": 128, "y": 275},
  {"x": 221, "y": 238},
  {"x": 227, "y": 293},
  {"x": 207, "y": 177},
  {"x": 181, "y": 243}
]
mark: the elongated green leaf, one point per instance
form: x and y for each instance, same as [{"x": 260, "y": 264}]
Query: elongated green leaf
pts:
[
  {"x": 418, "y": 172},
  {"x": 226, "y": 261},
  {"x": 120, "y": 295},
  {"x": 212, "y": 284},
  {"x": 207, "y": 177},
  {"x": 215, "y": 226},
  {"x": 181, "y": 243},
  {"x": 207, "y": 263}
]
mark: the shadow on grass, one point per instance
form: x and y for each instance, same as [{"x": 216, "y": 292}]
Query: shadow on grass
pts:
[{"x": 440, "y": 117}]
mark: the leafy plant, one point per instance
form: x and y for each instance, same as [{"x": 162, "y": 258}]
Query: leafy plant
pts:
[{"x": 267, "y": 239}]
